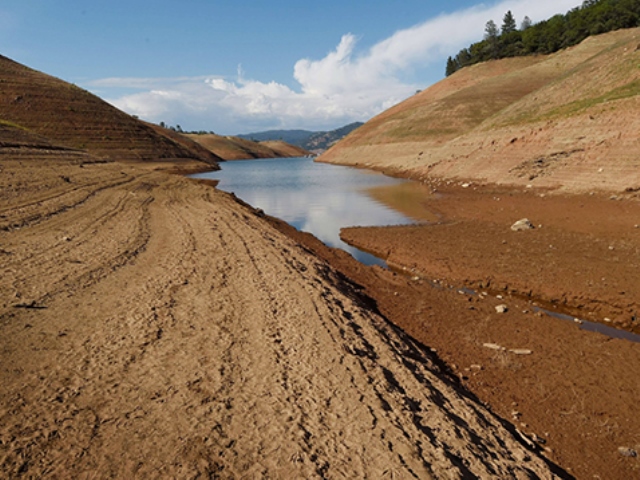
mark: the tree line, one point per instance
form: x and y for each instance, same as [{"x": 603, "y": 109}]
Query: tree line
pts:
[{"x": 591, "y": 18}]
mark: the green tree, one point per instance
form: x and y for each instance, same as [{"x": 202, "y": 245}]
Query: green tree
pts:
[
  {"x": 491, "y": 36},
  {"x": 508, "y": 23},
  {"x": 451, "y": 66},
  {"x": 463, "y": 58}
]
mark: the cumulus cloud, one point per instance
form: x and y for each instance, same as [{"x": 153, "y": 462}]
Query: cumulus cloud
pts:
[{"x": 346, "y": 85}]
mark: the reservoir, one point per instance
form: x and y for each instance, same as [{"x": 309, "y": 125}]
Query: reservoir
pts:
[{"x": 318, "y": 198}]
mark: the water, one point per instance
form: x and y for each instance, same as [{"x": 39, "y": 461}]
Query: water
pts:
[
  {"x": 313, "y": 197},
  {"x": 593, "y": 326}
]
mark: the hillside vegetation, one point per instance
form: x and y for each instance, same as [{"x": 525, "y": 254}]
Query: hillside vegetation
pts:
[
  {"x": 564, "y": 120},
  {"x": 49, "y": 111},
  {"x": 593, "y": 17},
  {"x": 236, "y": 148}
]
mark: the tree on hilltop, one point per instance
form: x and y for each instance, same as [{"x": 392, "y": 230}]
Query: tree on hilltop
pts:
[
  {"x": 560, "y": 31},
  {"x": 491, "y": 37},
  {"x": 508, "y": 23},
  {"x": 451, "y": 66}
]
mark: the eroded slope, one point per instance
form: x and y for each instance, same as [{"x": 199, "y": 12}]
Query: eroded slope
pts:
[{"x": 567, "y": 120}]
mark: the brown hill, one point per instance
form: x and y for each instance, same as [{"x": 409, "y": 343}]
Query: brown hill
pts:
[
  {"x": 74, "y": 118},
  {"x": 235, "y": 148},
  {"x": 565, "y": 120}
]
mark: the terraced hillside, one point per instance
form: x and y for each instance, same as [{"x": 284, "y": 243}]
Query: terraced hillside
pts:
[{"x": 74, "y": 118}]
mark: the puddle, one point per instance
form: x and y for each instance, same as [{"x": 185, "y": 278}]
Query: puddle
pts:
[{"x": 593, "y": 326}]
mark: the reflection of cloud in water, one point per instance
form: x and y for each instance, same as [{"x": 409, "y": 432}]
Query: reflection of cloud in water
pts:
[{"x": 316, "y": 198}]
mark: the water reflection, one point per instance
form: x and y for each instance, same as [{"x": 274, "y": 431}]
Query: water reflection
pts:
[{"x": 313, "y": 197}]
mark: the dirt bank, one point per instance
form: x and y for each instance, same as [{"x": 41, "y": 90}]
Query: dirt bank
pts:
[
  {"x": 153, "y": 327},
  {"x": 574, "y": 391}
]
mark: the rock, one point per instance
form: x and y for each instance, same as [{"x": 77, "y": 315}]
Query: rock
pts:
[
  {"x": 627, "y": 452},
  {"x": 522, "y": 224},
  {"x": 501, "y": 308}
]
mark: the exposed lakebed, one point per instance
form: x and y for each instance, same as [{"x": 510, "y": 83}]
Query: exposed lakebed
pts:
[{"x": 313, "y": 197}]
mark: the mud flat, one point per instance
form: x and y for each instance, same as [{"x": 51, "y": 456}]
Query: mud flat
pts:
[
  {"x": 154, "y": 327},
  {"x": 575, "y": 391}
]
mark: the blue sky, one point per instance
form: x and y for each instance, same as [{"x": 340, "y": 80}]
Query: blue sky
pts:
[{"x": 237, "y": 67}]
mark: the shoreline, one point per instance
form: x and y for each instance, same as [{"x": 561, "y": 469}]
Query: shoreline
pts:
[
  {"x": 154, "y": 326},
  {"x": 567, "y": 367}
]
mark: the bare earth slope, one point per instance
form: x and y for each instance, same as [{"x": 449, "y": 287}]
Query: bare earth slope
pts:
[
  {"x": 567, "y": 120},
  {"x": 152, "y": 327},
  {"x": 74, "y": 118},
  {"x": 236, "y": 148}
]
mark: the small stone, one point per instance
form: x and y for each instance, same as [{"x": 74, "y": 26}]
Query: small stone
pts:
[
  {"x": 577, "y": 320},
  {"x": 627, "y": 452},
  {"x": 538, "y": 440},
  {"x": 522, "y": 224},
  {"x": 520, "y": 351},
  {"x": 466, "y": 185},
  {"x": 492, "y": 346},
  {"x": 501, "y": 308}
]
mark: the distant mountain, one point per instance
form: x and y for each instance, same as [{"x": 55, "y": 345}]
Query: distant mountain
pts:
[
  {"x": 235, "y": 148},
  {"x": 312, "y": 141},
  {"x": 294, "y": 137}
]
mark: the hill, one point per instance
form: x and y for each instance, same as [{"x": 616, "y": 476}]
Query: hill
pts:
[
  {"x": 560, "y": 31},
  {"x": 294, "y": 137},
  {"x": 564, "y": 120},
  {"x": 236, "y": 148},
  {"x": 70, "y": 117},
  {"x": 316, "y": 142}
]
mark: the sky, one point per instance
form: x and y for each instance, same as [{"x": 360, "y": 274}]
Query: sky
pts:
[{"x": 235, "y": 67}]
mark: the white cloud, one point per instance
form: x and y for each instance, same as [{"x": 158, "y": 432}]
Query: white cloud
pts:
[{"x": 346, "y": 85}]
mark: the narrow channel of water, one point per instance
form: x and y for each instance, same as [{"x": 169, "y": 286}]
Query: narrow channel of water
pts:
[{"x": 313, "y": 197}]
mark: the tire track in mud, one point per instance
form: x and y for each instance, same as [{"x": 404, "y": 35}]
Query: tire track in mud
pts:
[
  {"x": 62, "y": 255},
  {"x": 43, "y": 208},
  {"x": 223, "y": 349},
  {"x": 388, "y": 397}
]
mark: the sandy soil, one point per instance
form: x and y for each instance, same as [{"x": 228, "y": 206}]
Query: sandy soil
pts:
[{"x": 153, "y": 327}]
